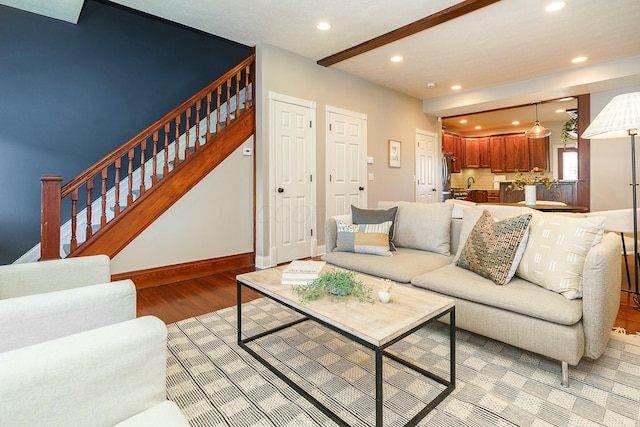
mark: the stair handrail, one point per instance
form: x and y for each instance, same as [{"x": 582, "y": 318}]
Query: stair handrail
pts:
[
  {"x": 53, "y": 194},
  {"x": 146, "y": 133}
]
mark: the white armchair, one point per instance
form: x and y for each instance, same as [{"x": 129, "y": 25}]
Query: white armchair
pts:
[
  {"x": 46, "y": 300},
  {"x": 109, "y": 376},
  {"x": 72, "y": 352}
]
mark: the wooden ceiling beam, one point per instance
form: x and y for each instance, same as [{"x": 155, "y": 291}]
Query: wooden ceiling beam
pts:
[{"x": 432, "y": 20}]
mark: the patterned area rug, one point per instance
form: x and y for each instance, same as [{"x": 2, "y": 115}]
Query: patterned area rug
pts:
[{"x": 216, "y": 383}]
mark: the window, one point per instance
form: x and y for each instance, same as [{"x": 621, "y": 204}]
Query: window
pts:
[{"x": 567, "y": 163}]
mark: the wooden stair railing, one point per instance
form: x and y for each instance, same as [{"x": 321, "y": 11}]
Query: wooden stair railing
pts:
[{"x": 184, "y": 134}]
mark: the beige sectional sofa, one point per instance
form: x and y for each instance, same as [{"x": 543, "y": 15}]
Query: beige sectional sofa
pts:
[{"x": 519, "y": 313}]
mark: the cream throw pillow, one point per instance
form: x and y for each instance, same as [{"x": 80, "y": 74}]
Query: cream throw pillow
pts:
[{"x": 556, "y": 252}]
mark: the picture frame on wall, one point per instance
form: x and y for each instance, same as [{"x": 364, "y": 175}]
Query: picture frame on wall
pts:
[{"x": 394, "y": 153}]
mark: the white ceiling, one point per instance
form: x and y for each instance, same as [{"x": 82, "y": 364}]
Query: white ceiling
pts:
[
  {"x": 64, "y": 10},
  {"x": 508, "y": 53}
]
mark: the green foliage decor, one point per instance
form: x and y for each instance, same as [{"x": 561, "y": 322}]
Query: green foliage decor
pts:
[
  {"x": 570, "y": 125},
  {"x": 533, "y": 177},
  {"x": 337, "y": 284}
]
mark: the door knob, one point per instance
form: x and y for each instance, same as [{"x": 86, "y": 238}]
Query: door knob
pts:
[
  {"x": 361, "y": 188},
  {"x": 280, "y": 190},
  {"x": 433, "y": 189}
]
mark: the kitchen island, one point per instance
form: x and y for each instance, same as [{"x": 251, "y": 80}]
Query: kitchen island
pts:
[{"x": 567, "y": 192}]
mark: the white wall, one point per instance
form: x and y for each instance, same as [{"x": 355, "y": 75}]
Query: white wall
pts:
[
  {"x": 214, "y": 219},
  {"x": 390, "y": 115},
  {"x": 611, "y": 161}
]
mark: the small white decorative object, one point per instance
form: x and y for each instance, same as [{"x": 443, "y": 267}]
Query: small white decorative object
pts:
[
  {"x": 530, "y": 195},
  {"x": 384, "y": 296},
  {"x": 385, "y": 293}
]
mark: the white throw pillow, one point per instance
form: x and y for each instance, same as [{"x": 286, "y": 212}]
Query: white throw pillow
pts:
[{"x": 556, "y": 252}]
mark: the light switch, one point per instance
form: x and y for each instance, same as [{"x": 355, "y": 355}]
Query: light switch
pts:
[
  {"x": 247, "y": 151},
  {"x": 370, "y": 176},
  {"x": 370, "y": 160}
]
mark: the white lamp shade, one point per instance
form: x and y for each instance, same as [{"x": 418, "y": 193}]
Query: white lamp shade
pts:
[{"x": 621, "y": 115}]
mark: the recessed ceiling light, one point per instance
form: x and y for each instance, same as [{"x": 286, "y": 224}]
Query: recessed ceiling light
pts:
[
  {"x": 463, "y": 121},
  {"x": 515, "y": 123},
  {"x": 456, "y": 87},
  {"x": 478, "y": 127},
  {"x": 323, "y": 26},
  {"x": 431, "y": 85},
  {"x": 556, "y": 5},
  {"x": 579, "y": 59},
  {"x": 396, "y": 58}
]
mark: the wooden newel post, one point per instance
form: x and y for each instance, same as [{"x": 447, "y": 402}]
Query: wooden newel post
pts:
[{"x": 50, "y": 221}]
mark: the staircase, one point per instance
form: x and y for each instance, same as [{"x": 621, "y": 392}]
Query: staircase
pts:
[{"x": 141, "y": 179}]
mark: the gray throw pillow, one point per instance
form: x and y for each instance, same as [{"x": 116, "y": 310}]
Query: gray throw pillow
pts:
[{"x": 376, "y": 216}]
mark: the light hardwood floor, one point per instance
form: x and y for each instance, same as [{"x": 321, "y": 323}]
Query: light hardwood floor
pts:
[{"x": 181, "y": 300}]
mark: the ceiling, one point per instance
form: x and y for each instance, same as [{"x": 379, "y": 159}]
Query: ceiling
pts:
[{"x": 508, "y": 53}]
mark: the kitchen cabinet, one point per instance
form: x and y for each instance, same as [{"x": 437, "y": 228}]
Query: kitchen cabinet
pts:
[
  {"x": 493, "y": 196},
  {"x": 497, "y": 156},
  {"x": 483, "y": 152},
  {"x": 539, "y": 153},
  {"x": 505, "y": 153},
  {"x": 477, "y": 196},
  {"x": 516, "y": 153},
  {"x": 471, "y": 153},
  {"x": 458, "y": 154},
  {"x": 447, "y": 143}
]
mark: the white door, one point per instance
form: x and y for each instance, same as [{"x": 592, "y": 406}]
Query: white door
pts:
[
  {"x": 426, "y": 191},
  {"x": 293, "y": 189},
  {"x": 346, "y": 147}
]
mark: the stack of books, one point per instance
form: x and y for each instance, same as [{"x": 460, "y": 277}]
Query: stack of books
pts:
[{"x": 302, "y": 272}]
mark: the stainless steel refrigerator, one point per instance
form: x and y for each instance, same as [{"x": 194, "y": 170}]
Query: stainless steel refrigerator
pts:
[{"x": 447, "y": 165}]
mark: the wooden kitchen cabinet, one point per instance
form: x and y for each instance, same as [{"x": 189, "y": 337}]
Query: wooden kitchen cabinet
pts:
[
  {"x": 493, "y": 196},
  {"x": 497, "y": 156},
  {"x": 483, "y": 152},
  {"x": 471, "y": 153},
  {"x": 477, "y": 196},
  {"x": 539, "y": 153},
  {"x": 516, "y": 153},
  {"x": 447, "y": 143},
  {"x": 458, "y": 154}
]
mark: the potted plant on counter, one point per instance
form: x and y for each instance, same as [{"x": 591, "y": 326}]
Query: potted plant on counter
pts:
[{"x": 528, "y": 181}]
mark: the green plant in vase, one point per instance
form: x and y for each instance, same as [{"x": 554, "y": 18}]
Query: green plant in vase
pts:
[
  {"x": 533, "y": 177},
  {"x": 337, "y": 284}
]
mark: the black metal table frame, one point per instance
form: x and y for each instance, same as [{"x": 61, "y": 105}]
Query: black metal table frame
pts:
[{"x": 379, "y": 352}]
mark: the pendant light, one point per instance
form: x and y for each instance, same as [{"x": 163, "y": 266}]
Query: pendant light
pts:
[{"x": 537, "y": 130}]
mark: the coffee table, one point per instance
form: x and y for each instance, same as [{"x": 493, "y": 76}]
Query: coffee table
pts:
[{"x": 374, "y": 326}]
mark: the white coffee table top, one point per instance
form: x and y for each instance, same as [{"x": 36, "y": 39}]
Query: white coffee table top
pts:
[{"x": 374, "y": 323}]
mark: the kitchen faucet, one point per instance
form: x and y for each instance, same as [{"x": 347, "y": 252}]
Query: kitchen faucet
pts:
[{"x": 469, "y": 181}]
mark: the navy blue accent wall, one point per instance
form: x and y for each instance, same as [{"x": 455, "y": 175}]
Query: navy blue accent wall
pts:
[{"x": 70, "y": 94}]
